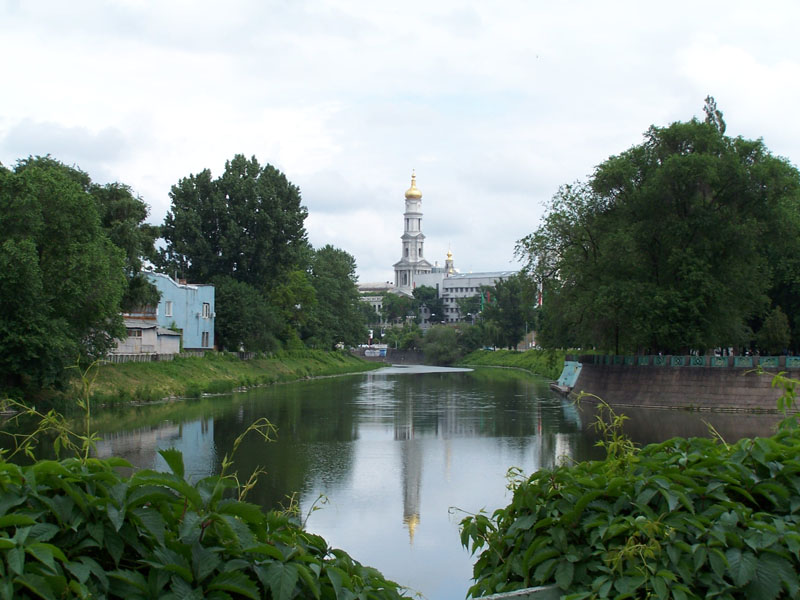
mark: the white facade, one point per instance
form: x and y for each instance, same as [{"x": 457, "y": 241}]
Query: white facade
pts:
[
  {"x": 453, "y": 287},
  {"x": 412, "y": 261}
]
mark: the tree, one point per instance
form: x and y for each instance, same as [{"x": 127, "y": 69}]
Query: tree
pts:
[
  {"x": 247, "y": 224},
  {"x": 672, "y": 245},
  {"x": 248, "y": 320},
  {"x": 428, "y": 297},
  {"x": 773, "y": 338},
  {"x": 511, "y": 309},
  {"x": 396, "y": 307},
  {"x": 338, "y": 314},
  {"x": 122, "y": 216},
  {"x": 61, "y": 277},
  {"x": 441, "y": 346}
]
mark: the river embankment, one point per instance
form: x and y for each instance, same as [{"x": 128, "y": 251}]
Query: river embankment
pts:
[
  {"x": 546, "y": 363},
  {"x": 214, "y": 373}
]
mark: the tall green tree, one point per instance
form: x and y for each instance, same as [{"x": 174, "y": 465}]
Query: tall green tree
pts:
[
  {"x": 396, "y": 307},
  {"x": 123, "y": 215},
  {"x": 339, "y": 318},
  {"x": 61, "y": 277},
  {"x": 511, "y": 309},
  {"x": 250, "y": 321},
  {"x": 674, "y": 244},
  {"x": 248, "y": 224}
]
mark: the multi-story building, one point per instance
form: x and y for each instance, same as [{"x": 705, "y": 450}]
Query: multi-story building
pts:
[{"x": 188, "y": 307}]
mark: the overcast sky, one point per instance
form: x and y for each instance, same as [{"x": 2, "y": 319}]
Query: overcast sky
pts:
[{"x": 494, "y": 104}]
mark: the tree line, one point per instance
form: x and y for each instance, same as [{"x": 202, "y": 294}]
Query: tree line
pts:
[
  {"x": 498, "y": 316},
  {"x": 687, "y": 241},
  {"x": 72, "y": 252}
]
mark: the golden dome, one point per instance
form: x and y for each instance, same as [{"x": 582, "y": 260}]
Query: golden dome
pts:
[
  {"x": 413, "y": 192},
  {"x": 449, "y": 255}
]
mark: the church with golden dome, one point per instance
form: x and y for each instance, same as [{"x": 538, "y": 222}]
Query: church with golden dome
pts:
[
  {"x": 412, "y": 259},
  {"x": 413, "y": 270}
]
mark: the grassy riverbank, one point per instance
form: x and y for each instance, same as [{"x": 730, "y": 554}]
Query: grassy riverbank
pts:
[
  {"x": 215, "y": 373},
  {"x": 547, "y": 363}
]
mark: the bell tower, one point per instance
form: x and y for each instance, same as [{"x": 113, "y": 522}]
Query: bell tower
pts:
[{"x": 411, "y": 260}]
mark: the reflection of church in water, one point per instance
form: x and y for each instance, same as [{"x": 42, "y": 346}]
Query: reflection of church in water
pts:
[{"x": 412, "y": 427}]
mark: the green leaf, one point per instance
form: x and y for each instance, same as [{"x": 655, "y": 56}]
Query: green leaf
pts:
[
  {"x": 765, "y": 583},
  {"x": 564, "y": 574},
  {"x": 660, "y": 587},
  {"x": 16, "y": 560},
  {"x": 718, "y": 561},
  {"x": 152, "y": 521},
  {"x": 174, "y": 460},
  {"x": 46, "y": 553},
  {"x": 133, "y": 578},
  {"x": 36, "y": 584},
  {"x": 250, "y": 513},
  {"x": 204, "y": 561},
  {"x": 116, "y": 516},
  {"x": 79, "y": 570},
  {"x": 239, "y": 583},
  {"x": 16, "y": 521},
  {"x": 268, "y": 549},
  {"x": 742, "y": 565}
]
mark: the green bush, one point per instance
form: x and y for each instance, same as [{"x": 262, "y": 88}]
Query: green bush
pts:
[
  {"x": 683, "y": 519},
  {"x": 77, "y": 529}
]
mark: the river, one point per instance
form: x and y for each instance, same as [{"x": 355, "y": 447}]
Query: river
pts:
[{"x": 385, "y": 464}]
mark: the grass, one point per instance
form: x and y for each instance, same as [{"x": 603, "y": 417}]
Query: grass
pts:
[
  {"x": 547, "y": 363},
  {"x": 214, "y": 374}
]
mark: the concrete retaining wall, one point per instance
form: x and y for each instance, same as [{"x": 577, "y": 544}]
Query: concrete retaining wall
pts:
[
  {"x": 394, "y": 357},
  {"x": 680, "y": 386}
]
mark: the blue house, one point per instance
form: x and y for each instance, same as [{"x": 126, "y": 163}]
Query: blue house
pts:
[{"x": 188, "y": 307}]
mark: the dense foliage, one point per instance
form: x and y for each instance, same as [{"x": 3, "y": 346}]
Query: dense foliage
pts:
[
  {"x": 337, "y": 311},
  {"x": 683, "y": 519},
  {"x": 510, "y": 310},
  {"x": 244, "y": 231},
  {"x": 76, "y": 528},
  {"x": 70, "y": 252},
  {"x": 684, "y": 241}
]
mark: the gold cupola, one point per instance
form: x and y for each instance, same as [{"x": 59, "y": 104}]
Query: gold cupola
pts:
[{"x": 413, "y": 192}]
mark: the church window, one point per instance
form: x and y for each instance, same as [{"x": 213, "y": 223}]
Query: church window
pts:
[
  {"x": 406, "y": 251},
  {"x": 420, "y": 250}
]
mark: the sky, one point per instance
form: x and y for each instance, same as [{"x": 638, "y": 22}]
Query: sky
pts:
[{"x": 493, "y": 104}]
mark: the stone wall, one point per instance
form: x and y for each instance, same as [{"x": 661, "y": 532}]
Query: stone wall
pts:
[
  {"x": 698, "y": 387},
  {"x": 394, "y": 357}
]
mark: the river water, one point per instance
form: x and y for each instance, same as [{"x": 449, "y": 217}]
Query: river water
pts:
[{"x": 385, "y": 464}]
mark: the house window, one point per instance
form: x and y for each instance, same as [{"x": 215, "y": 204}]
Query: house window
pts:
[
  {"x": 206, "y": 310},
  {"x": 168, "y": 308},
  {"x": 204, "y": 341},
  {"x": 136, "y": 333}
]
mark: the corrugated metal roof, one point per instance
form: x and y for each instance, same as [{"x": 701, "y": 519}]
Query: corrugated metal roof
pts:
[
  {"x": 139, "y": 324},
  {"x": 162, "y": 331}
]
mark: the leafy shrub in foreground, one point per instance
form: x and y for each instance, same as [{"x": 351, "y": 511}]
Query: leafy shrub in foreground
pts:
[
  {"x": 682, "y": 519},
  {"x": 76, "y": 528}
]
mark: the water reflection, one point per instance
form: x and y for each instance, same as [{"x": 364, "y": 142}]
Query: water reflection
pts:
[{"x": 393, "y": 451}]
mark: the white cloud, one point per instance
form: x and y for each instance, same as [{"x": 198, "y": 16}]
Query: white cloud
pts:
[{"x": 495, "y": 105}]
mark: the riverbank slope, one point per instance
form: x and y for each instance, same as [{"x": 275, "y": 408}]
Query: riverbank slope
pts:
[
  {"x": 547, "y": 363},
  {"x": 214, "y": 373}
]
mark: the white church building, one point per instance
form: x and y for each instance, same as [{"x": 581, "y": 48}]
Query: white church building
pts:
[{"x": 413, "y": 270}]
